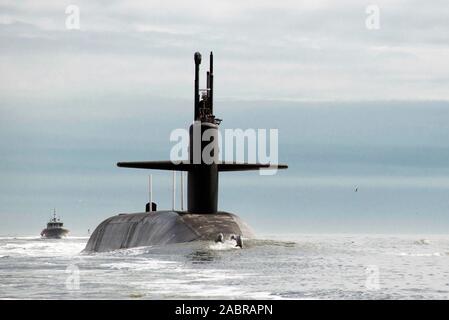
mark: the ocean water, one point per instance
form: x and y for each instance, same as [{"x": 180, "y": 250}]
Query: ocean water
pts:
[{"x": 273, "y": 267}]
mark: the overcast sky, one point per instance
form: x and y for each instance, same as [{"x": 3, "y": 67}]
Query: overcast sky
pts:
[
  {"x": 304, "y": 50},
  {"x": 354, "y": 106}
]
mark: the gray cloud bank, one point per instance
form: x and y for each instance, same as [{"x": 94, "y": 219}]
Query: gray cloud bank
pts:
[{"x": 308, "y": 50}]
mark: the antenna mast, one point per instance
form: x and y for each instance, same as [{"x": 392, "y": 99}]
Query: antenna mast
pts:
[
  {"x": 197, "y": 58},
  {"x": 174, "y": 191},
  {"x": 211, "y": 83},
  {"x": 150, "y": 186},
  {"x": 182, "y": 190}
]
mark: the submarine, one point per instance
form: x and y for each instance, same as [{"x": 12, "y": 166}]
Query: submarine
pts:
[{"x": 202, "y": 220}]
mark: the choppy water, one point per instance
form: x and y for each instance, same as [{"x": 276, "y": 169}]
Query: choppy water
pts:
[{"x": 289, "y": 267}]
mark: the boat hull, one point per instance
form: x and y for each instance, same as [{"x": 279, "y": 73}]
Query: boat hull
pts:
[
  {"x": 54, "y": 233},
  {"x": 163, "y": 227}
]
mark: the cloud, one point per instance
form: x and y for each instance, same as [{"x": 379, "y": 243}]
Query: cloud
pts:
[{"x": 265, "y": 49}]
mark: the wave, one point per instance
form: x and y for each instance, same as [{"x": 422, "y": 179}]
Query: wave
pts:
[
  {"x": 422, "y": 242},
  {"x": 433, "y": 254}
]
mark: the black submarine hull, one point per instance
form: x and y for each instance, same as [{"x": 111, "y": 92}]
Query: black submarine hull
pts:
[{"x": 163, "y": 227}]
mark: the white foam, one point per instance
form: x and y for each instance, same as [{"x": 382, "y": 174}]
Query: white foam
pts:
[
  {"x": 226, "y": 245},
  {"x": 146, "y": 264},
  {"x": 433, "y": 254}
]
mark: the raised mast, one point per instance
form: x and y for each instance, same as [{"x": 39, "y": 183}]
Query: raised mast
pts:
[
  {"x": 197, "y": 58},
  {"x": 211, "y": 83}
]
